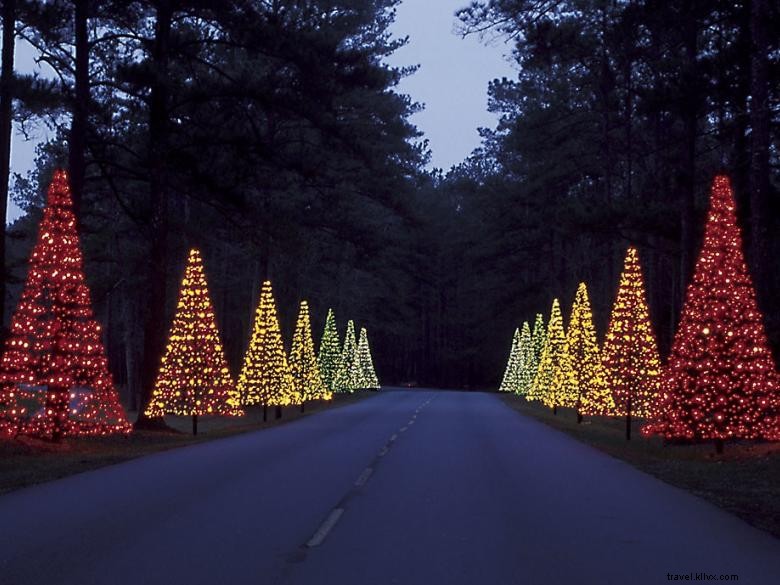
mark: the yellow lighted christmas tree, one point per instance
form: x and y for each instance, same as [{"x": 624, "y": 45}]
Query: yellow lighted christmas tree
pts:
[
  {"x": 305, "y": 372},
  {"x": 562, "y": 390},
  {"x": 365, "y": 363},
  {"x": 554, "y": 356},
  {"x": 346, "y": 370},
  {"x": 265, "y": 378},
  {"x": 511, "y": 380},
  {"x": 588, "y": 380},
  {"x": 630, "y": 353},
  {"x": 194, "y": 378}
]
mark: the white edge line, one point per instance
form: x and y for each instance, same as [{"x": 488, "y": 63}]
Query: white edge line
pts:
[
  {"x": 363, "y": 477},
  {"x": 325, "y": 527}
]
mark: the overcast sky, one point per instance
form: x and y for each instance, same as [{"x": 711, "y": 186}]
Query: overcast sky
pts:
[
  {"x": 451, "y": 82},
  {"x": 453, "y": 77}
]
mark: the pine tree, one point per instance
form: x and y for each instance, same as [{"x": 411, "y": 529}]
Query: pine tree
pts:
[
  {"x": 265, "y": 378},
  {"x": 630, "y": 353},
  {"x": 330, "y": 350},
  {"x": 720, "y": 382},
  {"x": 54, "y": 378},
  {"x": 511, "y": 380},
  {"x": 365, "y": 363},
  {"x": 552, "y": 355},
  {"x": 344, "y": 380},
  {"x": 194, "y": 378},
  {"x": 589, "y": 384},
  {"x": 304, "y": 369},
  {"x": 531, "y": 365}
]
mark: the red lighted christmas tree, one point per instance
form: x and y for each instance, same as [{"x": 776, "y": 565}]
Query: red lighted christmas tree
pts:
[
  {"x": 54, "y": 378},
  {"x": 720, "y": 382}
]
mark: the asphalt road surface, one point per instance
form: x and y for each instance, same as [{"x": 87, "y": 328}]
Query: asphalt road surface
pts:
[{"x": 412, "y": 487}]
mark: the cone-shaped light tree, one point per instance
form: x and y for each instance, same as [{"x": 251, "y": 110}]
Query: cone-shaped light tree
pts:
[
  {"x": 304, "y": 369},
  {"x": 593, "y": 396},
  {"x": 526, "y": 355},
  {"x": 720, "y": 382},
  {"x": 555, "y": 365},
  {"x": 511, "y": 380},
  {"x": 367, "y": 377},
  {"x": 630, "y": 353},
  {"x": 54, "y": 378},
  {"x": 330, "y": 350},
  {"x": 564, "y": 388},
  {"x": 531, "y": 363},
  {"x": 552, "y": 358},
  {"x": 265, "y": 377},
  {"x": 194, "y": 378},
  {"x": 344, "y": 380}
]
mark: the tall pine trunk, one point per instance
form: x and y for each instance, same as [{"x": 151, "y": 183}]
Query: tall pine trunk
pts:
[
  {"x": 77, "y": 142},
  {"x": 687, "y": 175},
  {"x": 157, "y": 268},
  {"x": 758, "y": 174},
  {"x": 6, "y": 123}
]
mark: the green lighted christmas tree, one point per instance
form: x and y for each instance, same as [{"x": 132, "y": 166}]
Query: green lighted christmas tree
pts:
[
  {"x": 592, "y": 395},
  {"x": 330, "y": 351},
  {"x": 531, "y": 363},
  {"x": 304, "y": 369},
  {"x": 526, "y": 356},
  {"x": 344, "y": 380},
  {"x": 265, "y": 378},
  {"x": 366, "y": 374},
  {"x": 511, "y": 380}
]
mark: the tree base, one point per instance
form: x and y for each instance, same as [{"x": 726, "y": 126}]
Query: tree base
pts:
[{"x": 153, "y": 424}]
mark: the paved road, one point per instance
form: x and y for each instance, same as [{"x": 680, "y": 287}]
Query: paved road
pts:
[{"x": 461, "y": 490}]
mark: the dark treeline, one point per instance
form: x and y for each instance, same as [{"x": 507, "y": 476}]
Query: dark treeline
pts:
[
  {"x": 270, "y": 133},
  {"x": 620, "y": 116},
  {"x": 267, "y": 133}
]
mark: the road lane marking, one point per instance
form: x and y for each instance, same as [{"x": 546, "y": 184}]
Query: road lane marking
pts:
[
  {"x": 402, "y": 429},
  {"x": 325, "y": 528},
  {"x": 393, "y": 438},
  {"x": 384, "y": 451},
  {"x": 363, "y": 477}
]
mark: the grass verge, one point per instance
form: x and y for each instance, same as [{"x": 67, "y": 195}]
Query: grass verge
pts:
[
  {"x": 26, "y": 461},
  {"x": 745, "y": 479}
]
